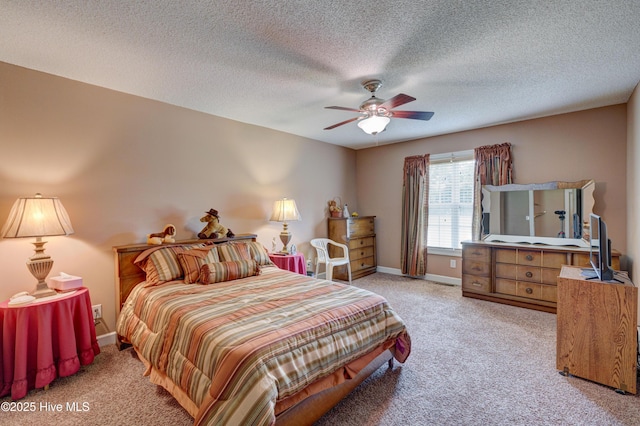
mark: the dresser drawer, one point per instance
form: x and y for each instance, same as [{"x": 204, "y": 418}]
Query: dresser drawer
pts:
[
  {"x": 527, "y": 290},
  {"x": 477, "y": 253},
  {"x": 505, "y": 286},
  {"x": 549, "y": 293},
  {"x": 528, "y": 273},
  {"x": 364, "y": 263},
  {"x": 529, "y": 257},
  {"x": 359, "y": 253},
  {"x": 537, "y": 291},
  {"x": 582, "y": 259},
  {"x": 476, "y": 283},
  {"x": 549, "y": 276},
  {"x": 360, "y": 227},
  {"x": 506, "y": 270},
  {"x": 473, "y": 267},
  {"x": 356, "y": 243},
  {"x": 554, "y": 260},
  {"x": 506, "y": 255}
]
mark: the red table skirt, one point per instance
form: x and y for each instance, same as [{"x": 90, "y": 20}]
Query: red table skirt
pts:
[
  {"x": 290, "y": 262},
  {"x": 45, "y": 340}
]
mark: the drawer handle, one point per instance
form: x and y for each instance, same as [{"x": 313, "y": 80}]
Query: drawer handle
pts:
[
  {"x": 529, "y": 290},
  {"x": 529, "y": 274},
  {"x": 477, "y": 284},
  {"x": 362, "y": 264},
  {"x": 476, "y": 268},
  {"x": 361, "y": 242},
  {"x": 529, "y": 257},
  {"x": 361, "y": 253},
  {"x": 477, "y": 253}
]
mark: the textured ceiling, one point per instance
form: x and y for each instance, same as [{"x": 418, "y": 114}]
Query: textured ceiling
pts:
[{"x": 277, "y": 63}]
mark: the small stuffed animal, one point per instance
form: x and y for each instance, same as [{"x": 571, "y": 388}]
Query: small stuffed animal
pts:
[
  {"x": 214, "y": 229},
  {"x": 166, "y": 236}
]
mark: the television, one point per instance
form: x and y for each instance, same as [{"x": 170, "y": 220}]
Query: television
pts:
[{"x": 600, "y": 250}]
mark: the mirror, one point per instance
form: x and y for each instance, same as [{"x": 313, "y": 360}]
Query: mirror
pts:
[{"x": 548, "y": 213}]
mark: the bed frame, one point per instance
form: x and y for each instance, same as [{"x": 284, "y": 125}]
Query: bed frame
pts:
[{"x": 307, "y": 411}]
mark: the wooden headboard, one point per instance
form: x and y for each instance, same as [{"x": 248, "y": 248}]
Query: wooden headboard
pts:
[{"x": 128, "y": 274}]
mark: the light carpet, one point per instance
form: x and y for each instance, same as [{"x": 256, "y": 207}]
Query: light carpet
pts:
[{"x": 472, "y": 362}]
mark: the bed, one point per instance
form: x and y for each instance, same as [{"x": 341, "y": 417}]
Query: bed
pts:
[{"x": 238, "y": 341}]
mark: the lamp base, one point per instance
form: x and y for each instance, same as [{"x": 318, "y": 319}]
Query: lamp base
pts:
[
  {"x": 285, "y": 237},
  {"x": 40, "y": 265},
  {"x": 43, "y": 291}
]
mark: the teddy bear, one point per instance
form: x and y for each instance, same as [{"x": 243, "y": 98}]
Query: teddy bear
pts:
[
  {"x": 334, "y": 209},
  {"x": 166, "y": 236},
  {"x": 214, "y": 229}
]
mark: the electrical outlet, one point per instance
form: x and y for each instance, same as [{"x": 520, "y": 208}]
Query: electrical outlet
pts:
[
  {"x": 452, "y": 263},
  {"x": 97, "y": 311}
]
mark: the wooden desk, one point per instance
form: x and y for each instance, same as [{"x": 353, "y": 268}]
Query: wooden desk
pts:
[
  {"x": 290, "y": 262},
  {"x": 43, "y": 340},
  {"x": 597, "y": 329}
]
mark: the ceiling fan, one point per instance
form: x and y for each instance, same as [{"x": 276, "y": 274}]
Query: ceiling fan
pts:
[{"x": 376, "y": 113}]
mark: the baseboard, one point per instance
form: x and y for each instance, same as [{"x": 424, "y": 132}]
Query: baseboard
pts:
[
  {"x": 107, "y": 339},
  {"x": 442, "y": 279}
]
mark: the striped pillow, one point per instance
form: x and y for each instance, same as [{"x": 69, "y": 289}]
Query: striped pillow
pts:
[
  {"x": 162, "y": 264},
  {"x": 233, "y": 251},
  {"x": 227, "y": 271},
  {"x": 259, "y": 253},
  {"x": 192, "y": 260}
]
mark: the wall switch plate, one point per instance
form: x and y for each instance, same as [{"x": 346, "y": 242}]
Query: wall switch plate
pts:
[
  {"x": 452, "y": 263},
  {"x": 97, "y": 311}
]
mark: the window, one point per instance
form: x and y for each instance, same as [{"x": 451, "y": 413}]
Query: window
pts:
[{"x": 450, "y": 199}]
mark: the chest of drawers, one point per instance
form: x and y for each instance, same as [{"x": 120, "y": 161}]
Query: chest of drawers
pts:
[{"x": 358, "y": 233}]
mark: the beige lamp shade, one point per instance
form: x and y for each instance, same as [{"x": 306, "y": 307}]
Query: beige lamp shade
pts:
[
  {"x": 38, "y": 217},
  {"x": 284, "y": 211}
]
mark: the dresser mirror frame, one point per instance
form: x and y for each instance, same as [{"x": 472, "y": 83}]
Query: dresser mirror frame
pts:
[{"x": 507, "y": 210}]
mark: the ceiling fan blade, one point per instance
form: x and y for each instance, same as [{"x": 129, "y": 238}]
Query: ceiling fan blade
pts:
[
  {"x": 343, "y": 108},
  {"x": 416, "y": 115},
  {"x": 396, "y": 101},
  {"x": 342, "y": 122}
]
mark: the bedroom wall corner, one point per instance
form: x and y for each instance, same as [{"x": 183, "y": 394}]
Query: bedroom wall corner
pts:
[{"x": 633, "y": 184}]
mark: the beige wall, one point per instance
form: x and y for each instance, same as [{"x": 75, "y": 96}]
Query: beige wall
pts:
[
  {"x": 569, "y": 147},
  {"x": 125, "y": 166}
]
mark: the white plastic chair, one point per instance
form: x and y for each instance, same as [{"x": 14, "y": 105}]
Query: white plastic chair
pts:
[{"x": 322, "y": 248}]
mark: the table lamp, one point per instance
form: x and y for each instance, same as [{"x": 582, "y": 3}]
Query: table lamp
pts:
[
  {"x": 285, "y": 211},
  {"x": 38, "y": 217}
]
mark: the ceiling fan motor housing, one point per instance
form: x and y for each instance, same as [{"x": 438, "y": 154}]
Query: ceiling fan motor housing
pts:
[{"x": 372, "y": 106}]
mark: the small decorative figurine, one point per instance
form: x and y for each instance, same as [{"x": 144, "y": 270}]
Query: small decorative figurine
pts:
[
  {"x": 214, "y": 229},
  {"x": 166, "y": 236}
]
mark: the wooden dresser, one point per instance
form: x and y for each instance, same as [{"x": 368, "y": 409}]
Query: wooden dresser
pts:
[
  {"x": 518, "y": 274},
  {"x": 597, "y": 321},
  {"x": 359, "y": 234}
]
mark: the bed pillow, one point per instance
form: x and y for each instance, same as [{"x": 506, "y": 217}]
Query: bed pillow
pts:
[
  {"x": 258, "y": 253},
  {"x": 233, "y": 251},
  {"x": 192, "y": 260},
  {"x": 211, "y": 273},
  {"x": 161, "y": 264}
]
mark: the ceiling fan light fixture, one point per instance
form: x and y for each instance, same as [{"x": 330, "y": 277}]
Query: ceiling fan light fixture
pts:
[{"x": 374, "y": 124}]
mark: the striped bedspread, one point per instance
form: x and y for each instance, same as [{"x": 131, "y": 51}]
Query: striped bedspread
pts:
[{"x": 236, "y": 348}]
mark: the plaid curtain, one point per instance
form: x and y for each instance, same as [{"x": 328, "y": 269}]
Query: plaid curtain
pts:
[
  {"x": 494, "y": 166},
  {"x": 415, "y": 213}
]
